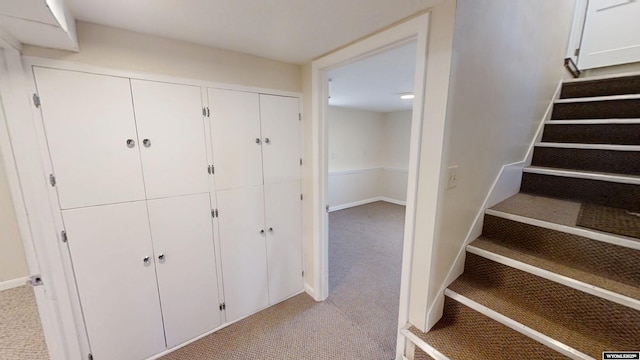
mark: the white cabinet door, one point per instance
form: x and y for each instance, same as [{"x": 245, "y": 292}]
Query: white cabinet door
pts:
[
  {"x": 181, "y": 228},
  {"x": 284, "y": 239},
  {"x": 237, "y": 153},
  {"x": 91, "y": 134},
  {"x": 117, "y": 288},
  {"x": 243, "y": 248},
  {"x": 172, "y": 138},
  {"x": 611, "y": 34},
  {"x": 281, "y": 134}
]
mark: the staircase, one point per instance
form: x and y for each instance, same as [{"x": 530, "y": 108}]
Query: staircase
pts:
[{"x": 556, "y": 272}]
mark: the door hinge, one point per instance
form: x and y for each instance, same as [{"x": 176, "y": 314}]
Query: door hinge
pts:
[
  {"x": 63, "y": 236},
  {"x": 577, "y": 52},
  {"x": 214, "y": 213},
  {"x": 35, "y": 280},
  {"x": 206, "y": 112},
  {"x": 52, "y": 180},
  {"x": 302, "y": 273},
  {"x": 299, "y": 116},
  {"x": 211, "y": 169},
  {"x": 90, "y": 356},
  {"x": 223, "y": 306},
  {"x": 36, "y": 100},
  {"x": 300, "y": 161},
  {"x": 301, "y": 198}
]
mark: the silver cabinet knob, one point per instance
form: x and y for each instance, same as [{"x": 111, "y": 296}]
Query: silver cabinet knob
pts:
[
  {"x": 267, "y": 141},
  {"x": 258, "y": 141},
  {"x": 146, "y": 143},
  {"x": 270, "y": 229},
  {"x": 161, "y": 258},
  {"x": 261, "y": 232},
  {"x": 146, "y": 260},
  {"x": 131, "y": 143}
]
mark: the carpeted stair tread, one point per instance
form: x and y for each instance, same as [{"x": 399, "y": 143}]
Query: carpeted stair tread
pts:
[
  {"x": 421, "y": 355},
  {"x": 601, "y": 87},
  {"x": 556, "y": 267},
  {"x": 554, "y": 210},
  {"x": 606, "y": 260},
  {"x": 597, "y": 160},
  {"x": 606, "y": 193},
  {"x": 607, "y": 109},
  {"x": 612, "y": 220},
  {"x": 582, "y": 321},
  {"x": 463, "y": 333},
  {"x": 614, "y": 134}
]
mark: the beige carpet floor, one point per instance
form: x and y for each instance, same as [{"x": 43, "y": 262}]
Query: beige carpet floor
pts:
[
  {"x": 21, "y": 336},
  {"x": 358, "y": 321}
]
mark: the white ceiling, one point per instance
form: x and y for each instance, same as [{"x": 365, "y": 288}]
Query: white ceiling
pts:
[
  {"x": 294, "y": 31},
  {"x": 375, "y": 83}
]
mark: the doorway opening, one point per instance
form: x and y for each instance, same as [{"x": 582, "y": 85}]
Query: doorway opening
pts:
[{"x": 369, "y": 130}]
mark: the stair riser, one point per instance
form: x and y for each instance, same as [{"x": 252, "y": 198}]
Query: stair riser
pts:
[
  {"x": 603, "y": 259},
  {"x": 613, "y": 134},
  {"x": 421, "y": 355},
  {"x": 611, "y": 323},
  {"x": 607, "y": 161},
  {"x": 623, "y": 196},
  {"x": 605, "y": 87},
  {"x": 610, "y": 109}
]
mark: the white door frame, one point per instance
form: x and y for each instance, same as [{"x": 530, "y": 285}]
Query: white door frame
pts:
[{"x": 415, "y": 29}]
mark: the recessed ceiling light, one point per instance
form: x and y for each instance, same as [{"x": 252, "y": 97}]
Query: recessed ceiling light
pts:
[{"x": 407, "y": 96}]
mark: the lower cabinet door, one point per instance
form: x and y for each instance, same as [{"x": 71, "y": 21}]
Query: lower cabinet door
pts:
[
  {"x": 284, "y": 239},
  {"x": 182, "y": 233},
  {"x": 113, "y": 263},
  {"x": 243, "y": 250}
]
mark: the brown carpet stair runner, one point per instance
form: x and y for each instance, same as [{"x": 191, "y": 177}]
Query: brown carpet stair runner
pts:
[{"x": 556, "y": 272}]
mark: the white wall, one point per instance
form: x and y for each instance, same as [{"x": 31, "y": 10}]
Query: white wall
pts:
[
  {"x": 506, "y": 65},
  {"x": 13, "y": 264},
  {"x": 127, "y": 50},
  {"x": 368, "y": 156}
]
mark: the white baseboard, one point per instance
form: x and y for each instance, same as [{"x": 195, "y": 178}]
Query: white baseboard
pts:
[
  {"x": 10, "y": 284},
  {"x": 366, "y": 201}
]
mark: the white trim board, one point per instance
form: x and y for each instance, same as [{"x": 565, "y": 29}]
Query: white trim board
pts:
[
  {"x": 617, "y": 178},
  {"x": 14, "y": 283},
  {"x": 597, "y": 98},
  {"x": 589, "y": 146},
  {"x": 519, "y": 327},
  {"x": 366, "y": 201},
  {"x": 560, "y": 279},
  {"x": 593, "y": 121},
  {"x": 413, "y": 338},
  {"x": 583, "y": 232}
]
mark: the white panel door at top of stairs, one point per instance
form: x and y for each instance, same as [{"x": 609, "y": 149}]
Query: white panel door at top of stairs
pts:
[
  {"x": 237, "y": 141},
  {"x": 172, "y": 138},
  {"x": 91, "y": 134},
  {"x": 284, "y": 239},
  {"x": 117, "y": 286},
  {"x": 281, "y": 138},
  {"x": 243, "y": 250},
  {"x": 611, "y": 34},
  {"x": 182, "y": 232}
]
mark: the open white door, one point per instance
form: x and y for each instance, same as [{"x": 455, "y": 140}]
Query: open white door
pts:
[{"x": 611, "y": 34}]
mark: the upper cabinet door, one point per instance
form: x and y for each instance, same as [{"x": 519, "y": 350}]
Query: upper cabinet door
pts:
[
  {"x": 172, "y": 138},
  {"x": 91, "y": 133},
  {"x": 281, "y": 138},
  {"x": 237, "y": 154},
  {"x": 284, "y": 239},
  {"x": 182, "y": 232},
  {"x": 112, "y": 258}
]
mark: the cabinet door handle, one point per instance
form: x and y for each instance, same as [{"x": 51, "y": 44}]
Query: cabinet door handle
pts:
[
  {"x": 161, "y": 257},
  {"x": 131, "y": 143},
  {"x": 146, "y": 143},
  {"x": 258, "y": 141},
  {"x": 267, "y": 141},
  {"x": 146, "y": 260},
  {"x": 262, "y": 232},
  {"x": 270, "y": 229}
]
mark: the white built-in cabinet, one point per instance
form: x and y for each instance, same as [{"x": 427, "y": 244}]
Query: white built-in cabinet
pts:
[{"x": 181, "y": 206}]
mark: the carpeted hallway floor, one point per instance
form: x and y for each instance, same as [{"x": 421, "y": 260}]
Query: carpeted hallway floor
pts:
[
  {"x": 358, "y": 320},
  {"x": 21, "y": 336}
]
